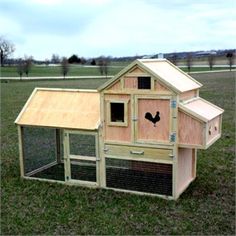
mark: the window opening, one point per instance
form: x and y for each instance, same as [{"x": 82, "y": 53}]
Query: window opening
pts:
[
  {"x": 117, "y": 112},
  {"x": 144, "y": 82}
]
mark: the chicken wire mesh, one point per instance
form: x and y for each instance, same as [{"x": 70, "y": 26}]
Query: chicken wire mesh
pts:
[
  {"x": 82, "y": 144},
  {"x": 83, "y": 170},
  {"x": 139, "y": 176},
  {"x": 42, "y": 153}
]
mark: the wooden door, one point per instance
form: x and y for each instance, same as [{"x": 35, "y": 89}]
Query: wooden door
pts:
[{"x": 152, "y": 119}]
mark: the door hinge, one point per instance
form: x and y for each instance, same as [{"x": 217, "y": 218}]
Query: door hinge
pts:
[
  {"x": 173, "y": 137},
  {"x": 173, "y": 104}
]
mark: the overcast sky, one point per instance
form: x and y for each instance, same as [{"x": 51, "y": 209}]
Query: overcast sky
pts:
[{"x": 92, "y": 28}]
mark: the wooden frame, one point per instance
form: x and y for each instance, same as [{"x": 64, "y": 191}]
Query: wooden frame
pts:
[
  {"x": 69, "y": 157},
  {"x": 118, "y": 123},
  {"x": 21, "y": 154}
]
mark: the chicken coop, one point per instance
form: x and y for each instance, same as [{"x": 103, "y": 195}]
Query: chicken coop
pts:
[{"x": 139, "y": 132}]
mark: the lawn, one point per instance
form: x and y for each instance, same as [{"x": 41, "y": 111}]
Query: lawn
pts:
[
  {"x": 78, "y": 70},
  {"x": 74, "y": 70},
  {"x": 34, "y": 207}
]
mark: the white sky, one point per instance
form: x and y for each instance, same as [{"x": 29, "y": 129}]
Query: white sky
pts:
[{"x": 91, "y": 28}]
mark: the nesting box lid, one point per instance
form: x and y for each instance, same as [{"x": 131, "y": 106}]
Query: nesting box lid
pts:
[
  {"x": 62, "y": 108},
  {"x": 201, "y": 109}
]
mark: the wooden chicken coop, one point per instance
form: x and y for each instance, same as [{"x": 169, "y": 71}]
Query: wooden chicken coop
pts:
[{"x": 139, "y": 132}]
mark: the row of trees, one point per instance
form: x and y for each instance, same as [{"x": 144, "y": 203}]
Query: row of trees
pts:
[
  {"x": 211, "y": 59},
  {"x": 24, "y": 66}
]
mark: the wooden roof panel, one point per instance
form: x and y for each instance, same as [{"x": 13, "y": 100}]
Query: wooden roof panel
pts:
[
  {"x": 202, "y": 108},
  {"x": 171, "y": 74},
  {"x": 62, "y": 108}
]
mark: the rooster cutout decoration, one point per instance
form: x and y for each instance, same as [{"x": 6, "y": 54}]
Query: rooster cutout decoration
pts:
[{"x": 155, "y": 119}]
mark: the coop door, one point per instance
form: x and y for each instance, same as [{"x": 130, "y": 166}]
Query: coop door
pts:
[
  {"x": 82, "y": 157},
  {"x": 152, "y": 121}
]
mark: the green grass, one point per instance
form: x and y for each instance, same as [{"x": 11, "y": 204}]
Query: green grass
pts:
[
  {"x": 78, "y": 70},
  {"x": 34, "y": 207},
  {"x": 74, "y": 70}
]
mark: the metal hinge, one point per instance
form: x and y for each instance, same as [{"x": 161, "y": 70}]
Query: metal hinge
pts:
[
  {"x": 173, "y": 137},
  {"x": 134, "y": 119},
  {"x": 173, "y": 104}
]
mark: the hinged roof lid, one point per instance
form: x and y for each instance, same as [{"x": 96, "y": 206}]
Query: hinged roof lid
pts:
[
  {"x": 62, "y": 108},
  {"x": 201, "y": 109}
]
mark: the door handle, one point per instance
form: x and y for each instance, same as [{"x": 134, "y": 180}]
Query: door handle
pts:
[{"x": 137, "y": 152}]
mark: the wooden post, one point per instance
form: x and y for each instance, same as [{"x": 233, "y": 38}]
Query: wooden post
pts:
[
  {"x": 21, "y": 153},
  {"x": 174, "y": 130},
  {"x": 58, "y": 145},
  {"x": 101, "y": 135}
]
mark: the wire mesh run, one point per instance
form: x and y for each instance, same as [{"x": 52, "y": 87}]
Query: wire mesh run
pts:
[
  {"x": 42, "y": 153},
  {"x": 139, "y": 176},
  {"x": 83, "y": 170},
  {"x": 82, "y": 144}
]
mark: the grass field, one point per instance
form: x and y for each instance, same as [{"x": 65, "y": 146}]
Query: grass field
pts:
[
  {"x": 33, "y": 207},
  {"x": 78, "y": 70}
]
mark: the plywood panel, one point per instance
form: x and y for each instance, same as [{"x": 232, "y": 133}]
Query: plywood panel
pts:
[
  {"x": 63, "y": 108},
  {"x": 188, "y": 95},
  {"x": 137, "y": 70},
  {"x": 116, "y": 133},
  {"x": 185, "y": 168},
  {"x": 190, "y": 131},
  {"x": 204, "y": 108},
  {"x": 146, "y": 129},
  {"x": 130, "y": 82},
  {"x": 139, "y": 152},
  {"x": 171, "y": 74},
  {"x": 213, "y": 128},
  {"x": 116, "y": 86},
  {"x": 160, "y": 88}
]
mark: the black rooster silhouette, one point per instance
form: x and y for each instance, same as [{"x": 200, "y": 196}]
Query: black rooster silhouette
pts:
[{"x": 155, "y": 119}]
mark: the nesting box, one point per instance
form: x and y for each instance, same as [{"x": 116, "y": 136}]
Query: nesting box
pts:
[{"x": 139, "y": 132}]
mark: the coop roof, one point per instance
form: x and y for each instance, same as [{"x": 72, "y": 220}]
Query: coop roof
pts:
[
  {"x": 201, "y": 109},
  {"x": 163, "y": 70},
  {"x": 62, "y": 108}
]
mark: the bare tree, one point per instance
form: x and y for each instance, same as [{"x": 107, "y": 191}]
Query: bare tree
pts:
[
  {"x": 55, "y": 59},
  {"x": 211, "y": 60},
  {"x": 189, "y": 61},
  {"x": 47, "y": 61},
  {"x": 64, "y": 66},
  {"x": 103, "y": 65},
  {"x": 27, "y": 64},
  {"x": 20, "y": 67},
  {"x": 230, "y": 57},
  {"x": 6, "y": 49}
]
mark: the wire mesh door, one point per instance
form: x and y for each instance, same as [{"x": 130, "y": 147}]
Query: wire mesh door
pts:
[{"x": 82, "y": 157}]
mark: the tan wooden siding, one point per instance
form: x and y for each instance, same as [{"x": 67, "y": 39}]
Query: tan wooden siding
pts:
[
  {"x": 116, "y": 86},
  {"x": 130, "y": 83},
  {"x": 146, "y": 130},
  {"x": 190, "y": 130},
  {"x": 116, "y": 133},
  {"x": 188, "y": 95},
  {"x": 137, "y": 153},
  {"x": 185, "y": 168},
  {"x": 136, "y": 70},
  {"x": 213, "y": 128},
  {"x": 160, "y": 88}
]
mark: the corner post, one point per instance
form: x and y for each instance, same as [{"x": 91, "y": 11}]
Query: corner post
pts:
[{"x": 21, "y": 154}]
